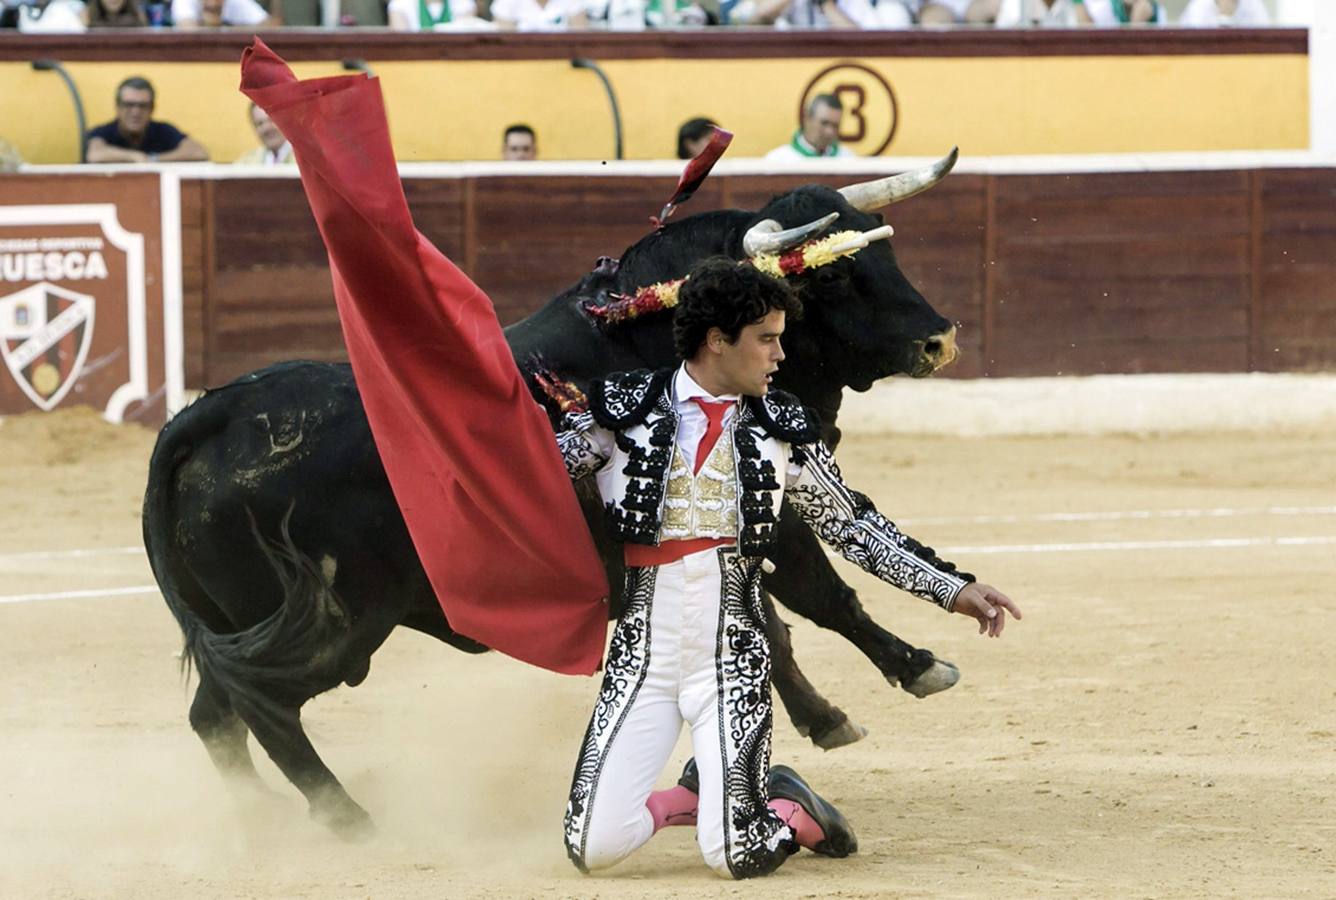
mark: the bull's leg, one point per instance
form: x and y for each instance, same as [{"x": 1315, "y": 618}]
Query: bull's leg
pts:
[
  {"x": 280, "y": 733},
  {"x": 222, "y": 732},
  {"x": 806, "y": 582},
  {"x": 812, "y": 714},
  {"x": 322, "y": 635}
]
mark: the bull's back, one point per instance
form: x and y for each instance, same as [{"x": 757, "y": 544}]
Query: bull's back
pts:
[{"x": 292, "y": 437}]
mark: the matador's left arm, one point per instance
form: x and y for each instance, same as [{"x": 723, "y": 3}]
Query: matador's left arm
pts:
[{"x": 846, "y": 520}]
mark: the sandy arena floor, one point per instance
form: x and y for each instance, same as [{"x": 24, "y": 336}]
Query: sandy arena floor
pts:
[{"x": 1162, "y": 724}]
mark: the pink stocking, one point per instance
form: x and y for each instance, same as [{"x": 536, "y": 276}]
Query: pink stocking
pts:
[
  {"x": 805, "y": 830},
  {"x": 675, "y": 806}
]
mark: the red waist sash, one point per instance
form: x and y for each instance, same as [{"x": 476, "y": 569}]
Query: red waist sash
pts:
[{"x": 642, "y": 555}]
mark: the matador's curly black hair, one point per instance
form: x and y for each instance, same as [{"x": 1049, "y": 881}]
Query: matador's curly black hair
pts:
[{"x": 729, "y": 295}]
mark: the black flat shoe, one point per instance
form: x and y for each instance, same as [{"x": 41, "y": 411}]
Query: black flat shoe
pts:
[
  {"x": 838, "y": 838},
  {"x": 690, "y": 777}
]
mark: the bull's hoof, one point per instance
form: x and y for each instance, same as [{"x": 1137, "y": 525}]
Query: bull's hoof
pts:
[
  {"x": 345, "y": 818},
  {"x": 937, "y": 677},
  {"x": 841, "y": 735}
]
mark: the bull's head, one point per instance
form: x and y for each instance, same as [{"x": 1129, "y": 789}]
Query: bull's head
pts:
[{"x": 862, "y": 318}]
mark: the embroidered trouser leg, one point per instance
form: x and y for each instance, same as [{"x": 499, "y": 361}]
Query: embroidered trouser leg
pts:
[{"x": 690, "y": 647}]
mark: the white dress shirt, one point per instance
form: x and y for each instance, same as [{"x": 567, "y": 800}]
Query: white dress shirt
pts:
[{"x": 691, "y": 421}]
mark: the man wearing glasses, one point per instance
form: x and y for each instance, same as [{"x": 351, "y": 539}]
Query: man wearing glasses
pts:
[{"x": 134, "y": 137}]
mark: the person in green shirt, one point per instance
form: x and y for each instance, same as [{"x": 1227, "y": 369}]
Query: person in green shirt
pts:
[
  {"x": 1118, "y": 12},
  {"x": 819, "y": 135}
]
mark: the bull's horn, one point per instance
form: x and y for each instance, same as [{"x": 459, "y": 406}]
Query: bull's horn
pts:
[
  {"x": 869, "y": 195},
  {"x": 859, "y": 241},
  {"x": 767, "y": 236}
]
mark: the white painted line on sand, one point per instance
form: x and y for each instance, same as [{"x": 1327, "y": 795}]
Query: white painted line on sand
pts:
[
  {"x": 1105, "y": 516},
  {"x": 76, "y": 595},
  {"x": 1118, "y": 515},
  {"x": 1202, "y": 544},
  {"x": 72, "y": 554},
  {"x": 1096, "y": 546}
]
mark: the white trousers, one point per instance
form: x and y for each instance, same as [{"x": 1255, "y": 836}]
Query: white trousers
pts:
[{"x": 690, "y": 648}]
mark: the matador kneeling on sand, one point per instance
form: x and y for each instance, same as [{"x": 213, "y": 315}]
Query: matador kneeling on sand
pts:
[{"x": 692, "y": 464}]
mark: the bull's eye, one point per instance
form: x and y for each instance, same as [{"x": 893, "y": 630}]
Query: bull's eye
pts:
[{"x": 828, "y": 275}]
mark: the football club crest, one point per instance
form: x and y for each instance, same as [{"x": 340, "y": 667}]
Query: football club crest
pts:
[
  {"x": 90, "y": 295},
  {"x": 45, "y": 333}
]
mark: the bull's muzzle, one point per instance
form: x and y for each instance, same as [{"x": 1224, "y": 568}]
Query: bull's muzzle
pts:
[{"x": 938, "y": 350}]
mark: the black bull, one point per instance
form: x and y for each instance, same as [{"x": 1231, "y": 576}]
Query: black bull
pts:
[{"x": 283, "y": 459}]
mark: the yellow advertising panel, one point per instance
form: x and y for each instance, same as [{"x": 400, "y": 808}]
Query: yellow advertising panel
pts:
[{"x": 988, "y": 105}]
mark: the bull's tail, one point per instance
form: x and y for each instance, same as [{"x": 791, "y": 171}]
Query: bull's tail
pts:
[
  {"x": 274, "y": 666},
  {"x": 177, "y": 440}
]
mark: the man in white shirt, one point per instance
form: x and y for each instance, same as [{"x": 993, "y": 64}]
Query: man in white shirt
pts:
[
  {"x": 219, "y": 13},
  {"x": 1208, "y": 13},
  {"x": 1042, "y": 13},
  {"x": 274, "y": 149},
  {"x": 819, "y": 135}
]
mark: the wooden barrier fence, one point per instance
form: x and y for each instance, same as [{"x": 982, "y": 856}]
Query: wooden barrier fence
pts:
[{"x": 1118, "y": 272}]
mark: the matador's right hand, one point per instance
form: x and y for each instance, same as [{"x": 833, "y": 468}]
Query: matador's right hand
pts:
[{"x": 987, "y": 604}]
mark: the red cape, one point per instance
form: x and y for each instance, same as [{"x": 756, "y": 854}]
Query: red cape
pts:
[{"x": 471, "y": 457}]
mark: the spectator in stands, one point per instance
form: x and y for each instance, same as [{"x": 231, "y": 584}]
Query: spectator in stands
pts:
[
  {"x": 957, "y": 12},
  {"x": 785, "y": 13},
  {"x": 10, "y": 160},
  {"x": 274, "y": 149},
  {"x": 435, "y": 15},
  {"x": 1043, "y": 13},
  {"x": 219, "y": 13},
  {"x": 819, "y": 134},
  {"x": 637, "y": 15},
  {"x": 519, "y": 143},
  {"x": 539, "y": 15},
  {"x": 870, "y": 14},
  {"x": 366, "y": 13},
  {"x": 1225, "y": 12},
  {"x": 115, "y": 14},
  {"x": 694, "y": 136},
  {"x": 133, "y": 137},
  {"x": 1119, "y": 12},
  {"x": 51, "y": 17}
]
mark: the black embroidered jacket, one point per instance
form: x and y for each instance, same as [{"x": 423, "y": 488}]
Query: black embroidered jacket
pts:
[{"x": 626, "y": 441}]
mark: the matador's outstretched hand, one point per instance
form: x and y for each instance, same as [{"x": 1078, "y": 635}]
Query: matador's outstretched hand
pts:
[{"x": 987, "y": 604}]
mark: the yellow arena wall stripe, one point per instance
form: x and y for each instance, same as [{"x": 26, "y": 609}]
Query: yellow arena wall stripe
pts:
[{"x": 997, "y": 105}]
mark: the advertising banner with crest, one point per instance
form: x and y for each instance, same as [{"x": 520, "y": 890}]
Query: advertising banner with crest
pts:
[{"x": 86, "y": 315}]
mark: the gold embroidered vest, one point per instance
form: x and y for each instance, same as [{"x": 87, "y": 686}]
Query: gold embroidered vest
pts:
[{"x": 704, "y": 504}]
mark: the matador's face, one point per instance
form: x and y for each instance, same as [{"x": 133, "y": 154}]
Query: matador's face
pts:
[{"x": 747, "y": 364}]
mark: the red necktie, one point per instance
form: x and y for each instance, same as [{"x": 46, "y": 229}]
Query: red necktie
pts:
[{"x": 714, "y": 415}]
